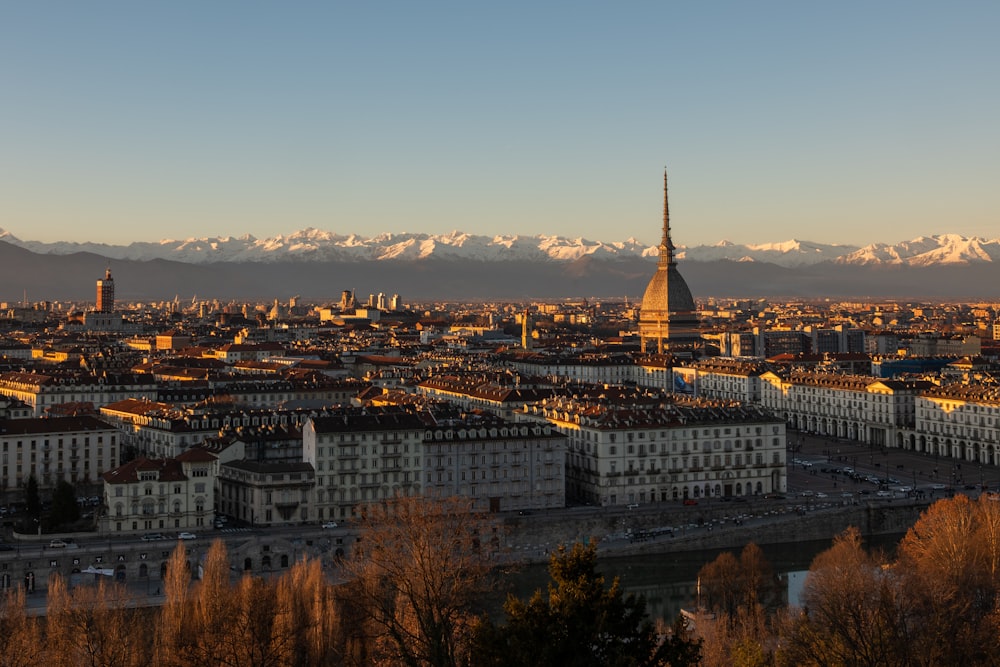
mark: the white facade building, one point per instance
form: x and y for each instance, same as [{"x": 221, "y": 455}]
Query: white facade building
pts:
[
  {"x": 855, "y": 407},
  {"x": 155, "y": 494},
  {"x": 659, "y": 452},
  {"x": 71, "y": 449}
]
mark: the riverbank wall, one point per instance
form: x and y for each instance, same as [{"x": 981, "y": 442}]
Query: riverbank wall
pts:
[{"x": 724, "y": 526}]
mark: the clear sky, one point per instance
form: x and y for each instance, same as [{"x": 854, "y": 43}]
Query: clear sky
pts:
[{"x": 841, "y": 122}]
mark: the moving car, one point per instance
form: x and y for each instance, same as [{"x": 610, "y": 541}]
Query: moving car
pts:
[
  {"x": 330, "y": 524},
  {"x": 186, "y": 536}
]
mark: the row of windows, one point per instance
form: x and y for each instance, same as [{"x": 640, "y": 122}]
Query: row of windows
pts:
[
  {"x": 706, "y": 446},
  {"x": 59, "y": 443},
  {"x": 717, "y": 461},
  {"x": 59, "y": 455}
]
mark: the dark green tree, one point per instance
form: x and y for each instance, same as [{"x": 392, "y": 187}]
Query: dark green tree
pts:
[
  {"x": 580, "y": 622},
  {"x": 64, "y": 506},
  {"x": 32, "y": 501}
]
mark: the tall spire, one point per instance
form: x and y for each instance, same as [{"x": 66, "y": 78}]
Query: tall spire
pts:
[{"x": 666, "y": 245}]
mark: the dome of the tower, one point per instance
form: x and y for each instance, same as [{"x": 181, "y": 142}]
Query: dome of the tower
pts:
[{"x": 667, "y": 292}]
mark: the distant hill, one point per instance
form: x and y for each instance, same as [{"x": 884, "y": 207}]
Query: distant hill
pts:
[{"x": 72, "y": 277}]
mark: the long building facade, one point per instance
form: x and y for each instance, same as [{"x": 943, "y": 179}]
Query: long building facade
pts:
[
  {"x": 368, "y": 455},
  {"x": 957, "y": 421},
  {"x": 632, "y": 454},
  {"x": 855, "y": 407}
]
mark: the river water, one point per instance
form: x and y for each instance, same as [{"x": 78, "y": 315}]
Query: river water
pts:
[{"x": 668, "y": 581}]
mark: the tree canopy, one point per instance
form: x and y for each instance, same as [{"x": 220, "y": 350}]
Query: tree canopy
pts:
[{"x": 580, "y": 621}]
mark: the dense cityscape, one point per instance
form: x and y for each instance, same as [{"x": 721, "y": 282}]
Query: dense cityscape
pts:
[{"x": 261, "y": 436}]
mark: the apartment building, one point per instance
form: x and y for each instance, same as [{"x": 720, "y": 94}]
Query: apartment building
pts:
[
  {"x": 363, "y": 455},
  {"x": 724, "y": 378},
  {"x": 42, "y": 391},
  {"x": 71, "y": 449},
  {"x": 371, "y": 454},
  {"x": 629, "y": 452},
  {"x": 161, "y": 430},
  {"x": 267, "y": 493},
  {"x": 856, "y": 407},
  {"x": 500, "y": 466},
  {"x": 959, "y": 420},
  {"x": 153, "y": 494}
]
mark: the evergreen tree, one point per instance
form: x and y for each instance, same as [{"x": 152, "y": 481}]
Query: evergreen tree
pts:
[
  {"x": 580, "y": 622},
  {"x": 32, "y": 501},
  {"x": 64, "y": 506}
]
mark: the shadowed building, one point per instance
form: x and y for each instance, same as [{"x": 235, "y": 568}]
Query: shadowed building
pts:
[{"x": 668, "y": 320}]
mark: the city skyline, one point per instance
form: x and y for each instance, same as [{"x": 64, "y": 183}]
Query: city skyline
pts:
[{"x": 847, "y": 124}]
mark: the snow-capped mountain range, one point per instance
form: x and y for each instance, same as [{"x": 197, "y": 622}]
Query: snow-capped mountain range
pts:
[{"x": 313, "y": 245}]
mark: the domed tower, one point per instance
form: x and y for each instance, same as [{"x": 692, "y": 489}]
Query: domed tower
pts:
[{"x": 668, "y": 320}]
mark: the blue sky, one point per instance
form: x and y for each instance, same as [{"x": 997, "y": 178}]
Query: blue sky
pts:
[{"x": 839, "y": 122}]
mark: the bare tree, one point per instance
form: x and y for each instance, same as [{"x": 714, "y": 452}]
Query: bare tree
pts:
[
  {"x": 306, "y": 612},
  {"x": 174, "y": 638},
  {"x": 719, "y": 584},
  {"x": 852, "y": 612},
  {"x": 22, "y": 636},
  {"x": 738, "y": 592},
  {"x": 948, "y": 563},
  {"x": 419, "y": 569},
  {"x": 212, "y": 611},
  {"x": 93, "y": 627}
]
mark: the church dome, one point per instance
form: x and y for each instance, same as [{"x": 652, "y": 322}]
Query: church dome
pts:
[{"x": 667, "y": 292}]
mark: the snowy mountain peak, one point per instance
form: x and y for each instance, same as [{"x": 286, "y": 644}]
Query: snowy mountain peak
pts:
[
  {"x": 314, "y": 245},
  {"x": 928, "y": 251}
]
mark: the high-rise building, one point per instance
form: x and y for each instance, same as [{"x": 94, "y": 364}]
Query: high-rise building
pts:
[
  {"x": 668, "y": 320},
  {"x": 106, "y": 293}
]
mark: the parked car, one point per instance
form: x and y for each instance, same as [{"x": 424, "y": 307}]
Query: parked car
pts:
[
  {"x": 186, "y": 536},
  {"x": 152, "y": 537},
  {"x": 690, "y": 501}
]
